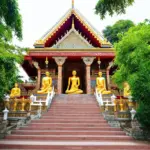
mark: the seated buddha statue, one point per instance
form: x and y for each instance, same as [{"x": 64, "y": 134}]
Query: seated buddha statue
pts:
[
  {"x": 73, "y": 84},
  {"x": 46, "y": 84},
  {"x": 101, "y": 85},
  {"x": 126, "y": 90},
  {"x": 15, "y": 92}
]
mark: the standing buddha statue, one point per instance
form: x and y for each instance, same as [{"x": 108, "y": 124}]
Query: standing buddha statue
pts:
[
  {"x": 15, "y": 92},
  {"x": 73, "y": 84},
  {"x": 101, "y": 85},
  {"x": 46, "y": 84},
  {"x": 126, "y": 90}
]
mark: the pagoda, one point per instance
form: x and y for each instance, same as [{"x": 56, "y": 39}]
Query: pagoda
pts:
[{"x": 71, "y": 44}]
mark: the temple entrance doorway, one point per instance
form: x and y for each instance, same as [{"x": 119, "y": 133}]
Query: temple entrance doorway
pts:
[{"x": 68, "y": 67}]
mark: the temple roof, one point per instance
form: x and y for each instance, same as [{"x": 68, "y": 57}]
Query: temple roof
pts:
[{"x": 72, "y": 20}]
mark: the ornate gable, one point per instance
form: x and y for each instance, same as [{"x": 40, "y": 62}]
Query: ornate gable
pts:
[
  {"x": 71, "y": 40},
  {"x": 73, "y": 18}
]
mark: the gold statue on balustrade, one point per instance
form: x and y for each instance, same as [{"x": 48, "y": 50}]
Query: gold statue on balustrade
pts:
[
  {"x": 73, "y": 84},
  {"x": 101, "y": 84},
  {"x": 126, "y": 90},
  {"x": 15, "y": 92},
  {"x": 46, "y": 84}
]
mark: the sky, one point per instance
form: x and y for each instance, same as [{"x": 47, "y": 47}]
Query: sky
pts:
[{"x": 40, "y": 15}]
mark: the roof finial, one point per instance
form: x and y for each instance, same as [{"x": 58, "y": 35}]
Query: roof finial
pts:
[{"x": 72, "y": 4}]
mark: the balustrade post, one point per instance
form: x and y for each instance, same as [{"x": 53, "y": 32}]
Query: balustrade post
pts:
[
  {"x": 5, "y": 111},
  {"x": 15, "y": 105},
  {"x": 23, "y": 104}
]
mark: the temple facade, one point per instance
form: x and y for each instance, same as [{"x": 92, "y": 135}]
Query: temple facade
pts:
[{"x": 71, "y": 44}]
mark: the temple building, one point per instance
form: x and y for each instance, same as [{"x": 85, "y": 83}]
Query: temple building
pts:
[{"x": 71, "y": 44}]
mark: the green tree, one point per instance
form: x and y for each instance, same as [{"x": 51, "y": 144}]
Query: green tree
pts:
[
  {"x": 10, "y": 16},
  {"x": 111, "y": 6},
  {"x": 112, "y": 33},
  {"x": 133, "y": 61},
  {"x": 10, "y": 24}
]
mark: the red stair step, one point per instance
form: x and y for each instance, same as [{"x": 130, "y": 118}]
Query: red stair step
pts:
[
  {"x": 66, "y": 132},
  {"x": 74, "y": 145},
  {"x": 70, "y": 137}
]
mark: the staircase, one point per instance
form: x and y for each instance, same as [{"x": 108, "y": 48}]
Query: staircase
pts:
[{"x": 73, "y": 122}]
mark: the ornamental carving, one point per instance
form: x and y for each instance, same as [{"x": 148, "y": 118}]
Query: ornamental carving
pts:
[
  {"x": 36, "y": 65},
  {"x": 88, "y": 60},
  {"x": 73, "y": 40},
  {"x": 60, "y": 60}
]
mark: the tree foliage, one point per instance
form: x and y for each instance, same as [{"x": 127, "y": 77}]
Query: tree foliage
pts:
[
  {"x": 8, "y": 74},
  {"x": 112, "y": 33},
  {"x": 111, "y": 6},
  {"x": 133, "y": 60},
  {"x": 10, "y": 16},
  {"x": 10, "y": 24}
]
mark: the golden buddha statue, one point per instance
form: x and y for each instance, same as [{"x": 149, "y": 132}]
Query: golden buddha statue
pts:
[
  {"x": 15, "y": 92},
  {"x": 46, "y": 84},
  {"x": 101, "y": 85},
  {"x": 73, "y": 84},
  {"x": 126, "y": 90}
]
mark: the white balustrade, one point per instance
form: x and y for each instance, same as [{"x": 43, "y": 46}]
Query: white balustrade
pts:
[
  {"x": 47, "y": 102},
  {"x": 106, "y": 102},
  {"x": 113, "y": 97},
  {"x": 133, "y": 112},
  {"x": 5, "y": 111},
  {"x": 33, "y": 98},
  {"x": 99, "y": 98}
]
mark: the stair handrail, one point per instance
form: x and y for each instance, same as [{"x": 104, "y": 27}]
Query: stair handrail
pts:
[
  {"x": 49, "y": 97},
  {"x": 99, "y": 98}
]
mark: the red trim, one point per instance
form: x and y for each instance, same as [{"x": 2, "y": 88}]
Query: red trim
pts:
[
  {"x": 27, "y": 57},
  {"x": 72, "y": 54}
]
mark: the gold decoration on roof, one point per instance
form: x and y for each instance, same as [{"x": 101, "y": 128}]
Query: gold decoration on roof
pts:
[
  {"x": 40, "y": 42},
  {"x": 87, "y": 27},
  {"x": 61, "y": 23},
  {"x": 106, "y": 42},
  {"x": 81, "y": 20},
  {"x": 56, "y": 29}
]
